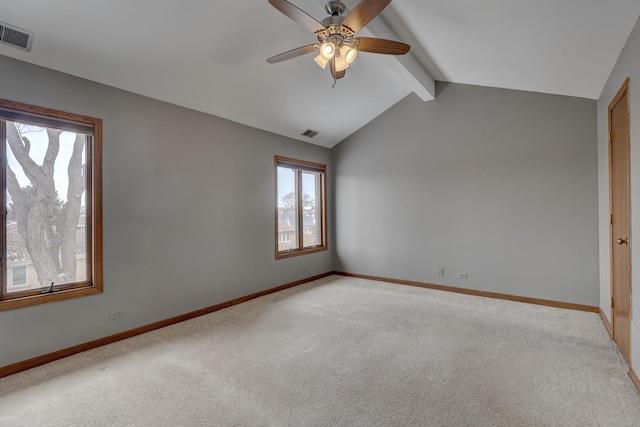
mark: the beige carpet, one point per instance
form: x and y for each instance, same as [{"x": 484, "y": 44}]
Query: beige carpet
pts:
[{"x": 344, "y": 352}]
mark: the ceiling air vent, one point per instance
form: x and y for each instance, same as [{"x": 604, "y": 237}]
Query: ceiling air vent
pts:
[
  {"x": 16, "y": 37},
  {"x": 310, "y": 133}
]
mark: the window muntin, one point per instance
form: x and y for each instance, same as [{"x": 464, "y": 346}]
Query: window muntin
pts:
[
  {"x": 301, "y": 210},
  {"x": 51, "y": 193}
]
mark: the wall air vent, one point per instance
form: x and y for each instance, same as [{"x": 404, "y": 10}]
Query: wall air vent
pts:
[
  {"x": 16, "y": 37},
  {"x": 310, "y": 133}
]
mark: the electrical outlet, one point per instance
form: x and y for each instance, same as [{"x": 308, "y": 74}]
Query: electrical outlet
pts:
[
  {"x": 113, "y": 315},
  {"x": 440, "y": 271},
  {"x": 462, "y": 275}
]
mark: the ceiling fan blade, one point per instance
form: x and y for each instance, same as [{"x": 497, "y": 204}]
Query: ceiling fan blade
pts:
[
  {"x": 337, "y": 75},
  {"x": 298, "y": 15},
  {"x": 388, "y": 47},
  {"x": 293, "y": 53},
  {"x": 363, "y": 13}
]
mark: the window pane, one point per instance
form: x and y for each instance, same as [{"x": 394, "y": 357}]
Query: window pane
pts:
[
  {"x": 311, "y": 209},
  {"x": 19, "y": 276},
  {"x": 287, "y": 202},
  {"x": 46, "y": 205}
]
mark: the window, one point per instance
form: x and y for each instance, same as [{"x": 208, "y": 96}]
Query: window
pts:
[
  {"x": 51, "y": 193},
  {"x": 18, "y": 276},
  {"x": 284, "y": 236},
  {"x": 300, "y": 207}
]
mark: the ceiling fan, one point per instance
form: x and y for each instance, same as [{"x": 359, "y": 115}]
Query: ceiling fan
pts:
[{"x": 337, "y": 45}]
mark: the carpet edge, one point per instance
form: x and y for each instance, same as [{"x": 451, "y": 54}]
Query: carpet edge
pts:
[
  {"x": 606, "y": 322},
  {"x": 634, "y": 378},
  {"x": 474, "y": 292},
  {"x": 79, "y": 348}
]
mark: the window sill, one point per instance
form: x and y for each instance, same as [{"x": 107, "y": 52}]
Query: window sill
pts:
[
  {"x": 281, "y": 255},
  {"x": 14, "y": 302}
]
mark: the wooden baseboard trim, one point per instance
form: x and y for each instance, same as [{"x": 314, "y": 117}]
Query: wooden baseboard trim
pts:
[
  {"x": 634, "y": 378},
  {"x": 529, "y": 300},
  {"x": 41, "y": 360},
  {"x": 606, "y": 322}
]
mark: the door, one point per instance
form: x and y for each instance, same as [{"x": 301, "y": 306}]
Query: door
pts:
[{"x": 619, "y": 172}]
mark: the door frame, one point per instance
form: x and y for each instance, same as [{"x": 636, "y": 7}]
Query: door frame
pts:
[{"x": 624, "y": 90}]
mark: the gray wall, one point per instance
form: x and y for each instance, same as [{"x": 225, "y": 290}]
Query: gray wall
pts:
[
  {"x": 188, "y": 213},
  {"x": 628, "y": 65},
  {"x": 498, "y": 184}
]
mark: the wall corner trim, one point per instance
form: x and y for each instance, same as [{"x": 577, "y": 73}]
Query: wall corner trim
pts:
[{"x": 60, "y": 354}]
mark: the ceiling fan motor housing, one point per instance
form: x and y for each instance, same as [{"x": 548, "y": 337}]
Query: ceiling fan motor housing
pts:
[
  {"x": 332, "y": 21},
  {"x": 334, "y": 32},
  {"x": 334, "y": 7}
]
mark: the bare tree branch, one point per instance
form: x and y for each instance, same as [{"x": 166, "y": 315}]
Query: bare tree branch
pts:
[
  {"x": 21, "y": 150},
  {"x": 52, "y": 151},
  {"x": 71, "y": 209}
]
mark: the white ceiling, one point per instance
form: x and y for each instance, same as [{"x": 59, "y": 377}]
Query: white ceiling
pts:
[{"x": 211, "y": 55}]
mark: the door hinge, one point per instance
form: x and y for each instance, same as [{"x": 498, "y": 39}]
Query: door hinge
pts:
[
  {"x": 612, "y": 302},
  {"x": 612, "y": 135},
  {"x": 611, "y": 219}
]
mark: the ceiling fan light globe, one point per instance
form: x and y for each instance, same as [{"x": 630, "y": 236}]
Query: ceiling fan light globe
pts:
[
  {"x": 341, "y": 64},
  {"x": 348, "y": 53},
  {"x": 321, "y": 61},
  {"x": 327, "y": 50}
]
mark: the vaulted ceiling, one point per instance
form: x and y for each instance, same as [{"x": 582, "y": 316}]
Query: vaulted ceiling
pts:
[{"x": 211, "y": 55}]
